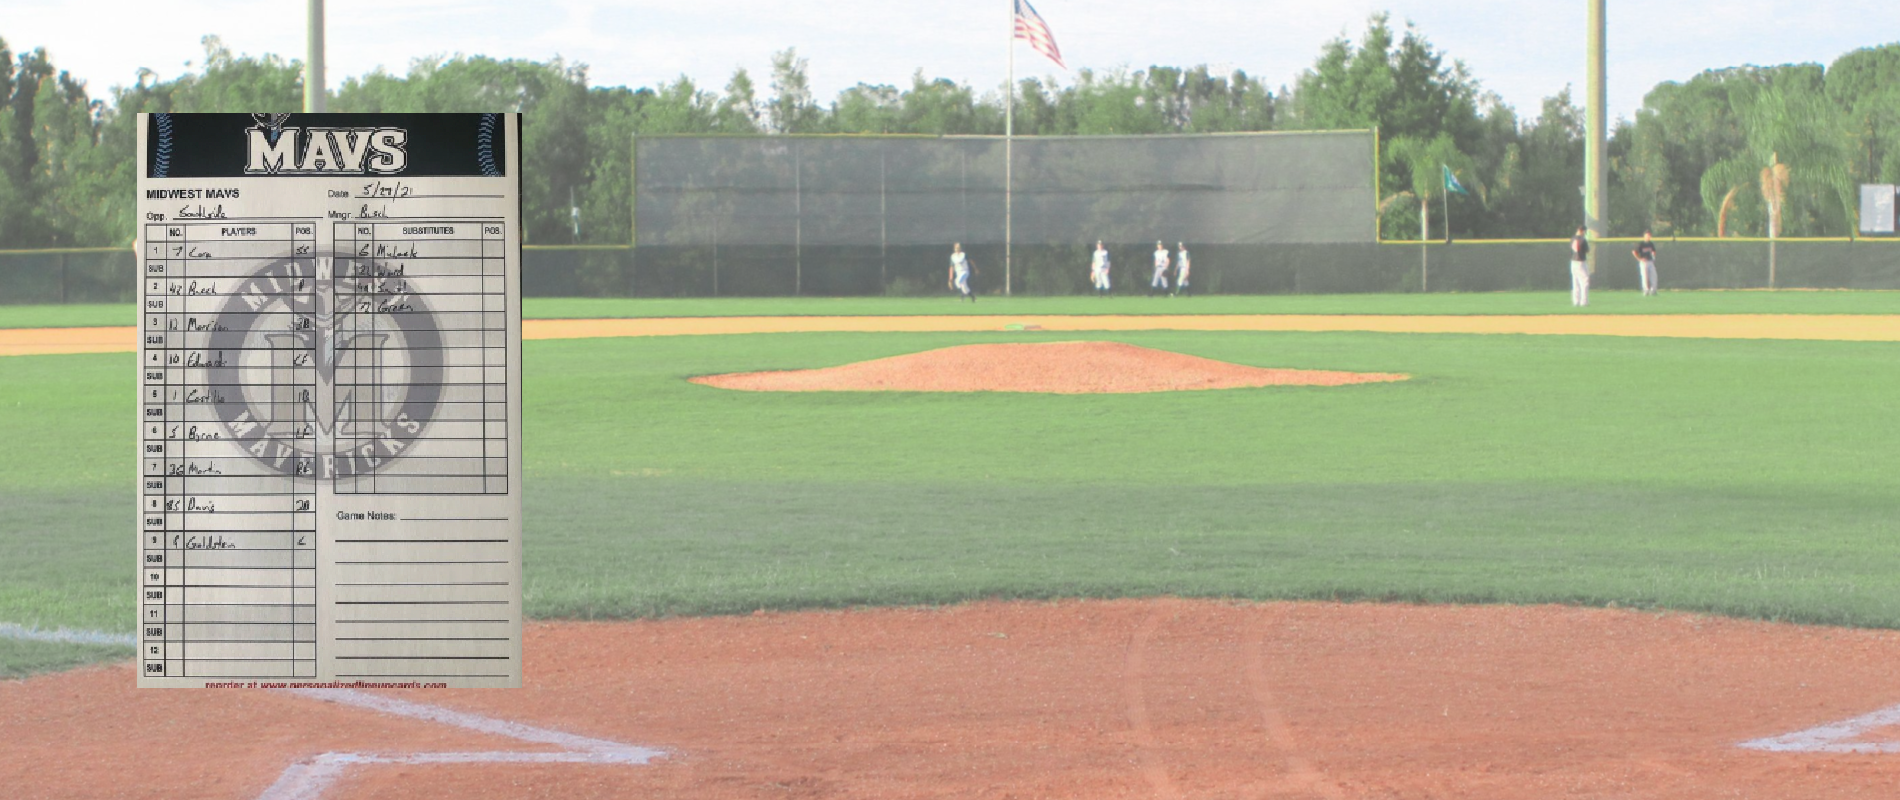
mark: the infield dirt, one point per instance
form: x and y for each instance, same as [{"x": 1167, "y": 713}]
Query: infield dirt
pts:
[{"x": 1097, "y": 699}]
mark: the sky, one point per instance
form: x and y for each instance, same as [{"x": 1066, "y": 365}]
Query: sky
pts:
[{"x": 1524, "y": 50}]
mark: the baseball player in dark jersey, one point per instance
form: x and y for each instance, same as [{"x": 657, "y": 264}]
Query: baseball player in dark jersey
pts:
[
  {"x": 1645, "y": 253},
  {"x": 1579, "y": 270}
]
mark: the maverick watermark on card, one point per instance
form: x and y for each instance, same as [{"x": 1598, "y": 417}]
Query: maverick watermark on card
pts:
[{"x": 329, "y": 400}]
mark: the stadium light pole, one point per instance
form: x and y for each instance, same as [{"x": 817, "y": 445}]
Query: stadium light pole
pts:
[
  {"x": 313, "y": 94},
  {"x": 1009, "y": 152},
  {"x": 1595, "y": 167}
]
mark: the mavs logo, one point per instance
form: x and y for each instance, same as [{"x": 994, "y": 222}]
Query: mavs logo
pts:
[
  {"x": 286, "y": 370},
  {"x": 273, "y": 149}
]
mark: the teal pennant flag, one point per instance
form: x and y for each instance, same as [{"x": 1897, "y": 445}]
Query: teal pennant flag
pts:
[{"x": 1451, "y": 182}]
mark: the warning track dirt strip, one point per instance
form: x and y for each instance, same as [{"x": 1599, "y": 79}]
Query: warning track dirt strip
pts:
[
  {"x": 1081, "y": 699},
  {"x": 1826, "y": 327}
]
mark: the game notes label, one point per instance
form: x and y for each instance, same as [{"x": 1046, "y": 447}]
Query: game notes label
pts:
[{"x": 329, "y": 405}]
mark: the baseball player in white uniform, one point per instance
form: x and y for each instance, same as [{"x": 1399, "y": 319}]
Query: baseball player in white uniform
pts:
[
  {"x": 1180, "y": 267},
  {"x": 1161, "y": 269},
  {"x": 1098, "y": 269},
  {"x": 960, "y": 271}
]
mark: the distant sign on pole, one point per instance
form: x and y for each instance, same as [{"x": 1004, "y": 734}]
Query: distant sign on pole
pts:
[{"x": 1876, "y": 208}]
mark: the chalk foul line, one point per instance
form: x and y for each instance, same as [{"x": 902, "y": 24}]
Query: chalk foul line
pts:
[
  {"x": 1835, "y": 737},
  {"x": 9, "y": 630},
  {"x": 307, "y": 780}
]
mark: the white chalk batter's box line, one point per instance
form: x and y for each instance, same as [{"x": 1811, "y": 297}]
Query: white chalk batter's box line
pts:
[
  {"x": 9, "y": 630},
  {"x": 1834, "y": 737},
  {"x": 307, "y": 780}
]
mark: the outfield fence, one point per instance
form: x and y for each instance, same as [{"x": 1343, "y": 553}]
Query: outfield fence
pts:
[
  {"x": 72, "y": 275},
  {"x": 109, "y": 275},
  {"x": 1262, "y": 213},
  {"x": 1733, "y": 263}
]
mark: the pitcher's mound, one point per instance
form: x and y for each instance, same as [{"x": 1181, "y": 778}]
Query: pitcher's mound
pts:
[{"x": 1056, "y": 367}]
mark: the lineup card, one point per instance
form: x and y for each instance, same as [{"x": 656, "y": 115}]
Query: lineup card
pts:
[{"x": 329, "y": 400}]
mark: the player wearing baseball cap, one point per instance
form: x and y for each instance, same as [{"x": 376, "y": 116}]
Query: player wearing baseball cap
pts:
[
  {"x": 1161, "y": 269},
  {"x": 960, "y": 271},
  {"x": 1098, "y": 269}
]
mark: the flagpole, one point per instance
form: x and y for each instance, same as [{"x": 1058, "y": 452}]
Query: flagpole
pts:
[
  {"x": 1009, "y": 150},
  {"x": 1447, "y": 194}
]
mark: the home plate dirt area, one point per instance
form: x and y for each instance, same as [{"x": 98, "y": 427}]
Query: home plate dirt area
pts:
[
  {"x": 1077, "y": 699},
  {"x": 1050, "y": 367}
]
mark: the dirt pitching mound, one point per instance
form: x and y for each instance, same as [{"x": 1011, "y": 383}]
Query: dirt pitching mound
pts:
[{"x": 1054, "y": 367}]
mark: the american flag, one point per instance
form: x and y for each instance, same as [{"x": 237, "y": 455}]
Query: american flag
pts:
[{"x": 1030, "y": 27}]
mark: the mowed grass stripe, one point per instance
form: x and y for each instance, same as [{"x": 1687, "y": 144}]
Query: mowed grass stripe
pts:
[{"x": 1739, "y": 477}]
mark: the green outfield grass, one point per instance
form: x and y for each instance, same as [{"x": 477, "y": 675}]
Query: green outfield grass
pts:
[
  {"x": 77, "y": 315},
  {"x": 1752, "y": 478},
  {"x": 1135, "y": 303},
  {"x": 1603, "y": 302},
  {"x": 19, "y": 658}
]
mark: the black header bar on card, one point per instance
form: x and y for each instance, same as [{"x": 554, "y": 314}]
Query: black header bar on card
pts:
[{"x": 324, "y": 145}]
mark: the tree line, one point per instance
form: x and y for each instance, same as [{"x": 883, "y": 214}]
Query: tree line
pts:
[{"x": 1728, "y": 152}]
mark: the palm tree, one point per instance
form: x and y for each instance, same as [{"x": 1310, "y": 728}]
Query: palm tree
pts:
[
  {"x": 1796, "y": 152},
  {"x": 1425, "y": 162}
]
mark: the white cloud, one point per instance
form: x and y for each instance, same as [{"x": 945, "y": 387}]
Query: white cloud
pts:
[{"x": 1525, "y": 51}]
